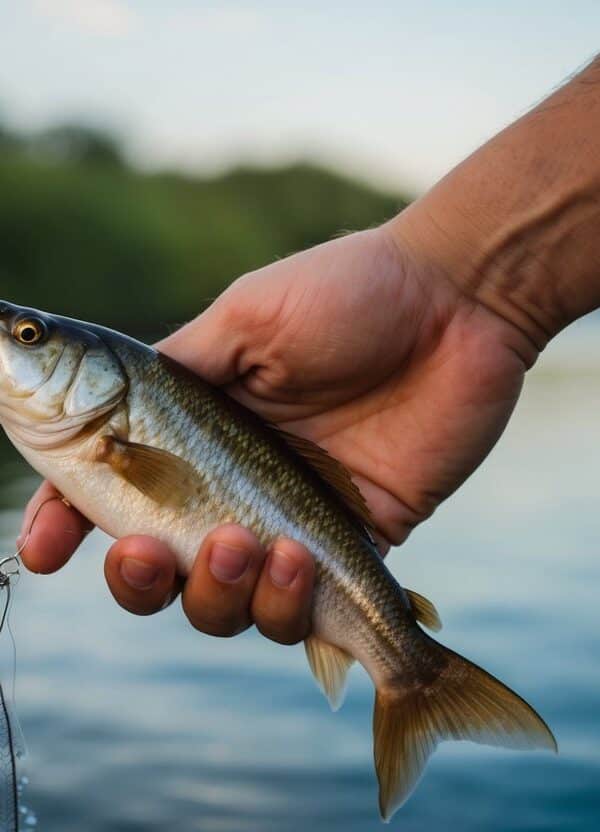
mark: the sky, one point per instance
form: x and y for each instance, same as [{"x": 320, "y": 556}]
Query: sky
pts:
[{"x": 392, "y": 92}]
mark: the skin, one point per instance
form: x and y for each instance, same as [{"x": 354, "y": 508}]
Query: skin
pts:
[{"x": 402, "y": 350}]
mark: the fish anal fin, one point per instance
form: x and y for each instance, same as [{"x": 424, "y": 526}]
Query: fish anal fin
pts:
[
  {"x": 463, "y": 703},
  {"x": 158, "y": 474},
  {"x": 335, "y": 475},
  {"x": 330, "y": 665},
  {"x": 424, "y": 610}
]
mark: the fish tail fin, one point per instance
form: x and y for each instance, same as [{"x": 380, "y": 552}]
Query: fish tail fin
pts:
[{"x": 461, "y": 702}]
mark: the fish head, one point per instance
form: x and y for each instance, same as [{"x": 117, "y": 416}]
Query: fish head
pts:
[{"x": 57, "y": 376}]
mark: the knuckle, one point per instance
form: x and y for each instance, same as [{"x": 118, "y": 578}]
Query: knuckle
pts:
[{"x": 233, "y": 312}]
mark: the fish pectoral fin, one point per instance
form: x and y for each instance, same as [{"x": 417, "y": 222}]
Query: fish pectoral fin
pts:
[
  {"x": 330, "y": 665},
  {"x": 160, "y": 475},
  {"x": 424, "y": 611}
]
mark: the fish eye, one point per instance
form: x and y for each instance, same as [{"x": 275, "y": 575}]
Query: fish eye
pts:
[{"x": 29, "y": 331}]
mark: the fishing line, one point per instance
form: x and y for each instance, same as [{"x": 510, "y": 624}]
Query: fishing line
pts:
[
  {"x": 17, "y": 554},
  {"x": 11, "y": 808},
  {"x": 14, "y": 788},
  {"x": 10, "y": 567},
  {"x": 7, "y": 579}
]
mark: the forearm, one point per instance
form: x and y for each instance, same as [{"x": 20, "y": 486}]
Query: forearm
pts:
[{"x": 517, "y": 224}]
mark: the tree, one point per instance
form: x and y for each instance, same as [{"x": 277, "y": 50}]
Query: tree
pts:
[{"x": 79, "y": 144}]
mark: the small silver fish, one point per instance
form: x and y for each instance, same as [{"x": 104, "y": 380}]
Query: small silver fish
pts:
[{"x": 141, "y": 445}]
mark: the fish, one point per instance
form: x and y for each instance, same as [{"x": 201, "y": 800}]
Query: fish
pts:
[{"x": 140, "y": 445}]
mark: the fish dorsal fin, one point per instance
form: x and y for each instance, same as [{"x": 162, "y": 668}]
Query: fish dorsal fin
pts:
[
  {"x": 330, "y": 665},
  {"x": 335, "y": 475},
  {"x": 424, "y": 611},
  {"x": 160, "y": 475}
]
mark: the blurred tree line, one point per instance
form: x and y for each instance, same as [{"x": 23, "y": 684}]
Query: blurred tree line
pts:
[{"x": 85, "y": 234}]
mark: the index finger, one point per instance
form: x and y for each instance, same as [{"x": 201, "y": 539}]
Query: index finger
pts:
[{"x": 52, "y": 530}]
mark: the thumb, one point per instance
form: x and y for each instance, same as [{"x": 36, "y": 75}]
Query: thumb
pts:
[{"x": 214, "y": 343}]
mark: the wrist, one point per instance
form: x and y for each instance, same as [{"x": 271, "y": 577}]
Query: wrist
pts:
[
  {"x": 516, "y": 226},
  {"x": 444, "y": 258},
  {"x": 484, "y": 263}
]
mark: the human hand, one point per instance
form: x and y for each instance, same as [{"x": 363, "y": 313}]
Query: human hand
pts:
[
  {"x": 363, "y": 347},
  {"x": 401, "y": 350}
]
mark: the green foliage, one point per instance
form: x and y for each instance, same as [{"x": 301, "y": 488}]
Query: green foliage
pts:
[
  {"x": 84, "y": 235},
  {"x": 74, "y": 143}
]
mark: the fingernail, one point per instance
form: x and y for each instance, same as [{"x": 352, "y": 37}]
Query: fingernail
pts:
[
  {"x": 226, "y": 563},
  {"x": 283, "y": 568},
  {"x": 20, "y": 541},
  {"x": 137, "y": 574}
]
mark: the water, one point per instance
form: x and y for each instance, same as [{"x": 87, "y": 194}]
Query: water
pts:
[{"x": 142, "y": 724}]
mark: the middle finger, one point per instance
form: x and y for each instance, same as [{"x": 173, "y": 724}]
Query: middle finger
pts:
[{"x": 218, "y": 593}]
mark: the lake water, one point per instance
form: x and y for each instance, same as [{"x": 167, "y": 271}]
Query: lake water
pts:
[{"x": 142, "y": 724}]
